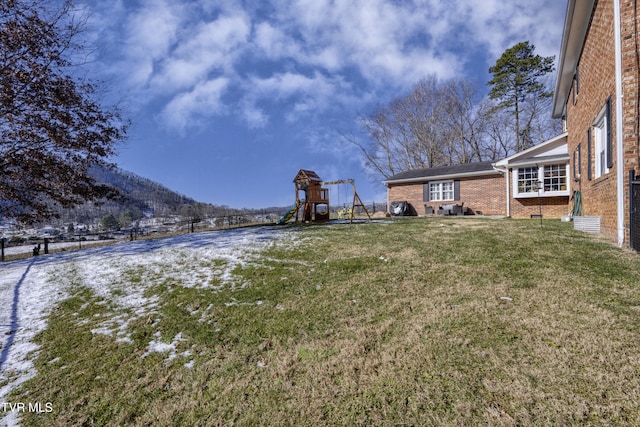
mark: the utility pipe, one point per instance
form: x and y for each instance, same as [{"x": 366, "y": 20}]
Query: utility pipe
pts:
[
  {"x": 505, "y": 170},
  {"x": 508, "y": 184},
  {"x": 619, "y": 117}
]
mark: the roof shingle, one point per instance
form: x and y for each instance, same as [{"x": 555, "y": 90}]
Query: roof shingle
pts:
[{"x": 457, "y": 170}]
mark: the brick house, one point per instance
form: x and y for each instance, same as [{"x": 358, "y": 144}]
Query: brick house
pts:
[
  {"x": 596, "y": 93},
  {"x": 508, "y": 187},
  {"x": 477, "y": 186}
]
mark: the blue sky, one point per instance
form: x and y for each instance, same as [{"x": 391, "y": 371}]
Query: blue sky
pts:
[{"x": 229, "y": 99}]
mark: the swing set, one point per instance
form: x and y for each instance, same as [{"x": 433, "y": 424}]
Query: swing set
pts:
[
  {"x": 348, "y": 212},
  {"x": 312, "y": 199}
]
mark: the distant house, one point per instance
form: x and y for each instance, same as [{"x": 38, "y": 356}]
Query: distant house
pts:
[
  {"x": 519, "y": 186},
  {"x": 477, "y": 186},
  {"x": 597, "y": 95}
]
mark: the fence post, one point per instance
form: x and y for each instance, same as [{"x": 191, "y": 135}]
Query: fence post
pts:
[
  {"x": 2, "y": 250},
  {"x": 634, "y": 211},
  {"x": 46, "y": 245}
]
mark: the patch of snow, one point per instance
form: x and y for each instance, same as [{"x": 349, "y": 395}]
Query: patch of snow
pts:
[
  {"x": 120, "y": 274},
  {"x": 162, "y": 347}
]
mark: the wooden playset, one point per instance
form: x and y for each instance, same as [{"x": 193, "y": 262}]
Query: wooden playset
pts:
[{"x": 312, "y": 199}]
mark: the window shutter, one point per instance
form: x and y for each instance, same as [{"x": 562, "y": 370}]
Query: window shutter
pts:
[
  {"x": 589, "y": 173},
  {"x": 456, "y": 190},
  {"x": 426, "y": 191},
  {"x": 609, "y": 135}
]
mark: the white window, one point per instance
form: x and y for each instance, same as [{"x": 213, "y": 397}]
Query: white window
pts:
[
  {"x": 600, "y": 131},
  {"x": 555, "y": 178},
  {"x": 439, "y": 191},
  {"x": 549, "y": 180},
  {"x": 528, "y": 180}
]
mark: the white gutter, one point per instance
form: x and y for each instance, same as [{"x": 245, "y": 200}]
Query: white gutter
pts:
[
  {"x": 506, "y": 180},
  {"x": 573, "y": 37},
  {"x": 504, "y": 169},
  {"x": 619, "y": 118},
  {"x": 388, "y": 201},
  {"x": 536, "y": 162}
]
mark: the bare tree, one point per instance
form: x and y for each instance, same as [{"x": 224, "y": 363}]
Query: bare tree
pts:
[
  {"x": 463, "y": 122},
  {"x": 435, "y": 124},
  {"x": 446, "y": 123},
  {"x": 498, "y": 127},
  {"x": 52, "y": 129}
]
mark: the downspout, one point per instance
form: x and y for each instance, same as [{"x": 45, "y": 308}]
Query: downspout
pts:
[
  {"x": 619, "y": 137},
  {"x": 388, "y": 200},
  {"x": 506, "y": 179}
]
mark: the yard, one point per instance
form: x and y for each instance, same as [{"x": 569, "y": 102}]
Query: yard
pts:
[{"x": 456, "y": 321}]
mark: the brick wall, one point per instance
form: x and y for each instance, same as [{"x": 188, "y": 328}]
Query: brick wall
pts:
[
  {"x": 552, "y": 207},
  {"x": 483, "y": 195},
  {"x": 596, "y": 84},
  {"x": 411, "y": 193}
]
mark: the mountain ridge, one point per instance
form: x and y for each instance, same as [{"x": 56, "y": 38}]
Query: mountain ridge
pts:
[{"x": 140, "y": 197}]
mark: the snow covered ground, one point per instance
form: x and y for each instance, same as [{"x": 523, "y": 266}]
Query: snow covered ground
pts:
[{"x": 30, "y": 288}]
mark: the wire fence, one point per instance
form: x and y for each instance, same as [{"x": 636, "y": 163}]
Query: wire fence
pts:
[{"x": 63, "y": 239}]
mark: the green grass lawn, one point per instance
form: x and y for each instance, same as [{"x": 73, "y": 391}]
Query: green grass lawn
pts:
[{"x": 412, "y": 322}]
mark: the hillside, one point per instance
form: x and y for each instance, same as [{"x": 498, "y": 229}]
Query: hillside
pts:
[
  {"x": 141, "y": 198},
  {"x": 142, "y": 193}
]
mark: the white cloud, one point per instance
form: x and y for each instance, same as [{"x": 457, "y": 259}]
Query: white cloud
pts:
[
  {"x": 152, "y": 30},
  {"x": 273, "y": 43},
  {"x": 303, "y": 95},
  {"x": 252, "y": 115},
  {"x": 278, "y": 88},
  {"x": 373, "y": 37},
  {"x": 209, "y": 46},
  {"x": 283, "y": 85},
  {"x": 189, "y": 108},
  {"x": 308, "y": 55},
  {"x": 177, "y": 53},
  {"x": 499, "y": 25},
  {"x": 397, "y": 43}
]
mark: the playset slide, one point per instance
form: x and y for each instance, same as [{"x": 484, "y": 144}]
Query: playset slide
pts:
[{"x": 289, "y": 214}]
